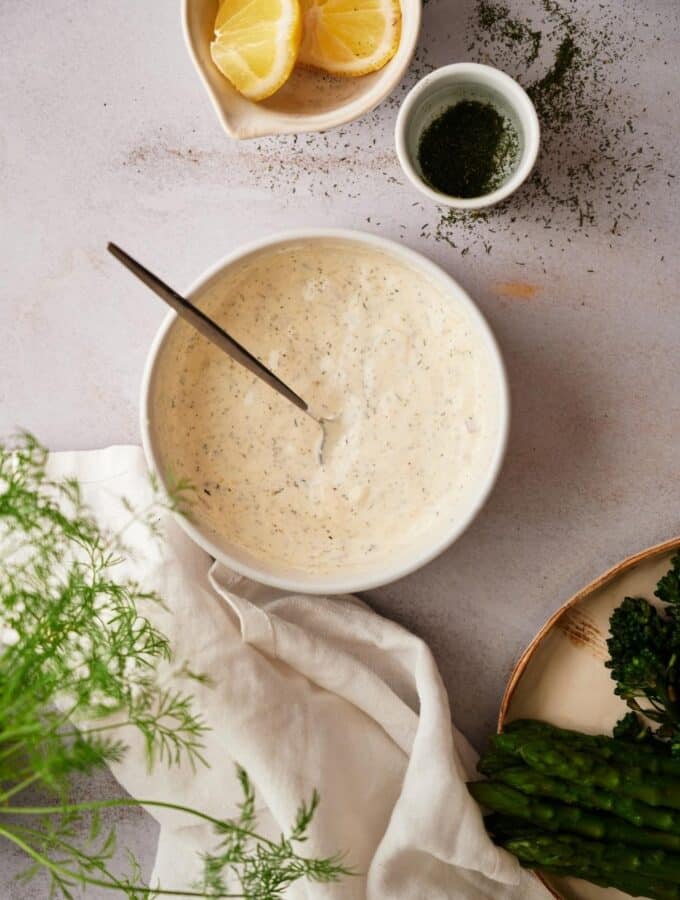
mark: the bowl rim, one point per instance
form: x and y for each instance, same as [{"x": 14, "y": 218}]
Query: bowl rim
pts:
[
  {"x": 516, "y": 96},
  {"x": 336, "y": 582},
  {"x": 301, "y": 123}
]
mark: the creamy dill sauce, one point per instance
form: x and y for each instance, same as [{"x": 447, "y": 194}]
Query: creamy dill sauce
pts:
[{"x": 359, "y": 335}]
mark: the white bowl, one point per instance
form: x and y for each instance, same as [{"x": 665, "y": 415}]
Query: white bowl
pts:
[
  {"x": 445, "y": 87},
  {"x": 372, "y": 575},
  {"x": 310, "y": 100}
]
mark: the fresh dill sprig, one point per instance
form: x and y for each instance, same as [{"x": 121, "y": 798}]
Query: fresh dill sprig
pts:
[
  {"x": 263, "y": 869},
  {"x": 74, "y": 646},
  {"x": 78, "y": 662}
]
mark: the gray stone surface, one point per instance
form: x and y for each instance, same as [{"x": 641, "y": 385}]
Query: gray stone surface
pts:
[{"x": 107, "y": 134}]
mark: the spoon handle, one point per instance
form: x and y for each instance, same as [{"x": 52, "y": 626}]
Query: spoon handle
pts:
[{"x": 205, "y": 325}]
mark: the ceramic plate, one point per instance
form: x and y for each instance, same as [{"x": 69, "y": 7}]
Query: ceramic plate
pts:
[{"x": 561, "y": 676}]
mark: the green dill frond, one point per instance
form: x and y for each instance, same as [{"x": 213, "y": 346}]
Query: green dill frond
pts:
[
  {"x": 78, "y": 662},
  {"x": 73, "y": 644},
  {"x": 246, "y": 817},
  {"x": 305, "y": 814},
  {"x": 171, "y": 730},
  {"x": 264, "y": 869}
]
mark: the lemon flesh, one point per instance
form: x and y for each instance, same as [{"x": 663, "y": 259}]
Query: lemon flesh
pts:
[
  {"x": 349, "y": 37},
  {"x": 256, "y": 44}
]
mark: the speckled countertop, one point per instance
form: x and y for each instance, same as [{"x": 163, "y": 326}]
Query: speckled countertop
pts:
[{"x": 106, "y": 134}]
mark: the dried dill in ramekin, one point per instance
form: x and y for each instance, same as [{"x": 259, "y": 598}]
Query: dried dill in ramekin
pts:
[{"x": 468, "y": 150}]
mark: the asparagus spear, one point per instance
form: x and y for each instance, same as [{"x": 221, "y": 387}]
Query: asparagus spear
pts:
[
  {"x": 563, "y": 761},
  {"x": 560, "y": 817},
  {"x": 648, "y": 756},
  {"x": 536, "y": 784},
  {"x": 506, "y": 829},
  {"x": 495, "y": 760},
  {"x": 540, "y": 850}
]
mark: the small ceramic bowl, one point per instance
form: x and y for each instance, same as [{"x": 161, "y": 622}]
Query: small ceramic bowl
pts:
[
  {"x": 445, "y": 87},
  {"x": 310, "y": 100}
]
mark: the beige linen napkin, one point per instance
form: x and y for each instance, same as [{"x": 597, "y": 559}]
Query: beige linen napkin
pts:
[{"x": 307, "y": 692}]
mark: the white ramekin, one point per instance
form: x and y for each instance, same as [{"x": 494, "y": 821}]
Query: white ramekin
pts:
[
  {"x": 466, "y": 81},
  {"x": 349, "y": 581}
]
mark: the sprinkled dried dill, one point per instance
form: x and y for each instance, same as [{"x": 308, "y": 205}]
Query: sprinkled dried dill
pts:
[
  {"x": 491, "y": 15},
  {"x": 549, "y": 93},
  {"x": 468, "y": 150},
  {"x": 575, "y": 63},
  {"x": 587, "y": 68}
]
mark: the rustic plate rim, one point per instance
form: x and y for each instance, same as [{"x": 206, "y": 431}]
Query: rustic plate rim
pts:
[{"x": 597, "y": 583}]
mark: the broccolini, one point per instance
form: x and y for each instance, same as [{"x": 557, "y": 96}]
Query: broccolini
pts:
[{"x": 644, "y": 651}]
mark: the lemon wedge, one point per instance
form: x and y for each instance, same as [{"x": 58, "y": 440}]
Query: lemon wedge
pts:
[
  {"x": 349, "y": 37},
  {"x": 256, "y": 44}
]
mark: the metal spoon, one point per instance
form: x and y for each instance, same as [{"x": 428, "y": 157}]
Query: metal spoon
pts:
[{"x": 215, "y": 333}]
